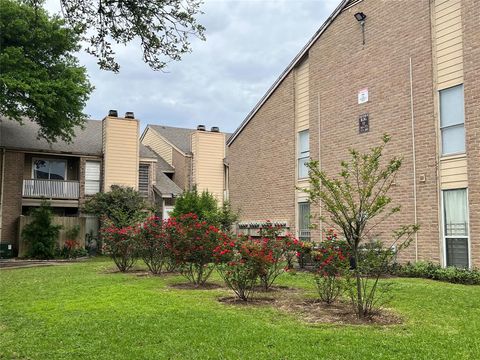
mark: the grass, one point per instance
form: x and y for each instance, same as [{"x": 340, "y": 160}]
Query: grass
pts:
[{"x": 81, "y": 311}]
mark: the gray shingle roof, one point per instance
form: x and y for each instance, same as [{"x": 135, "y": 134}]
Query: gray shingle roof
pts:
[
  {"x": 24, "y": 137},
  {"x": 165, "y": 186},
  {"x": 162, "y": 164},
  {"x": 180, "y": 137},
  {"x": 146, "y": 152}
]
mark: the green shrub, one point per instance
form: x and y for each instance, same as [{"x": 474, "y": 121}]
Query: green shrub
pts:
[
  {"x": 41, "y": 234},
  {"x": 432, "y": 271},
  {"x": 123, "y": 206}
]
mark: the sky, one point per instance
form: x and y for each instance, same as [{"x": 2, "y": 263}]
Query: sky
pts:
[{"x": 248, "y": 44}]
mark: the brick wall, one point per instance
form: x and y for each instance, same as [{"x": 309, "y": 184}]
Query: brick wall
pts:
[
  {"x": 471, "y": 66},
  {"x": 262, "y": 157},
  {"x": 12, "y": 197},
  {"x": 262, "y": 163}
]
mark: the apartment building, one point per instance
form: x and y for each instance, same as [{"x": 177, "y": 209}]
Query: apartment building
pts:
[
  {"x": 105, "y": 153},
  {"x": 409, "y": 69},
  {"x": 198, "y": 156}
]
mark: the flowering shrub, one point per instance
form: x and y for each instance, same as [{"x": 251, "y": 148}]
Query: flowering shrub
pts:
[
  {"x": 275, "y": 249},
  {"x": 331, "y": 259},
  {"x": 120, "y": 244},
  {"x": 240, "y": 263},
  {"x": 190, "y": 243},
  {"x": 151, "y": 242}
]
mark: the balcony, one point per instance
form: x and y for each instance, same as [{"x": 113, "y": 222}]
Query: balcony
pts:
[{"x": 51, "y": 189}]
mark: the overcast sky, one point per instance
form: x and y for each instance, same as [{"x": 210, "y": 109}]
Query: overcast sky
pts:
[{"x": 249, "y": 43}]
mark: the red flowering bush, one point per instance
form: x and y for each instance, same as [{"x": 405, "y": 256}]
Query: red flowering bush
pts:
[
  {"x": 152, "y": 244},
  {"x": 190, "y": 243},
  {"x": 332, "y": 260},
  {"x": 120, "y": 244},
  {"x": 276, "y": 250},
  {"x": 240, "y": 262}
]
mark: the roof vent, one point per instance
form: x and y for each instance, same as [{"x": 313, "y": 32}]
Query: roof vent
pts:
[
  {"x": 201, "y": 128},
  {"x": 129, "y": 115},
  {"x": 113, "y": 113},
  {"x": 215, "y": 129}
]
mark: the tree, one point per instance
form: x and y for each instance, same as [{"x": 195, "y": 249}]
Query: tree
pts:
[
  {"x": 357, "y": 203},
  {"x": 41, "y": 234},
  {"x": 40, "y": 78},
  {"x": 162, "y": 27},
  {"x": 123, "y": 206}
]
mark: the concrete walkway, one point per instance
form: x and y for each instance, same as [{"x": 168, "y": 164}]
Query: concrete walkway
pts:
[{"x": 7, "y": 264}]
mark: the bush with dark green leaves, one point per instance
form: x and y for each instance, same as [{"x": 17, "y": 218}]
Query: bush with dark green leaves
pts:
[
  {"x": 206, "y": 207},
  {"x": 432, "y": 271},
  {"x": 123, "y": 206},
  {"x": 41, "y": 233}
]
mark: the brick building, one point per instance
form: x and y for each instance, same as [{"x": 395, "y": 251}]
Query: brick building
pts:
[{"x": 375, "y": 67}]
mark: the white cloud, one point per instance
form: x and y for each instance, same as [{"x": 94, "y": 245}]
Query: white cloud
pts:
[{"x": 249, "y": 43}]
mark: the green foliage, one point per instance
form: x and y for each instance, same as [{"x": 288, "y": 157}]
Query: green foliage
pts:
[
  {"x": 432, "y": 271},
  {"x": 41, "y": 234},
  {"x": 205, "y": 206},
  {"x": 123, "y": 206},
  {"x": 357, "y": 202},
  {"x": 40, "y": 77},
  {"x": 73, "y": 232},
  {"x": 162, "y": 28},
  {"x": 120, "y": 244}
]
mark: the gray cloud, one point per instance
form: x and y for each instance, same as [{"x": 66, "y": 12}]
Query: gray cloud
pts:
[{"x": 248, "y": 45}]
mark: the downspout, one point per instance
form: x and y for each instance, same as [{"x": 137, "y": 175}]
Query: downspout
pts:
[
  {"x": 1, "y": 193},
  {"x": 319, "y": 155},
  {"x": 414, "y": 159}
]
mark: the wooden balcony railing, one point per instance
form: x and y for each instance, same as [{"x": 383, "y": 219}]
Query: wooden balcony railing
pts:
[{"x": 51, "y": 189}]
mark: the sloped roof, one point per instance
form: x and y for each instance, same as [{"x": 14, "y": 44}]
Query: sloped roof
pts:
[
  {"x": 146, "y": 152},
  {"x": 165, "y": 186},
  {"x": 13, "y": 135},
  {"x": 162, "y": 164},
  {"x": 180, "y": 137},
  {"x": 296, "y": 60}
]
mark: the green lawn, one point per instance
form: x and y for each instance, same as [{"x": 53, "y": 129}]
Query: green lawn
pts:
[{"x": 80, "y": 311}]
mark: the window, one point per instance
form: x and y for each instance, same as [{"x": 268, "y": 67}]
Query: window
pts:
[
  {"x": 452, "y": 120},
  {"x": 143, "y": 177},
  {"x": 455, "y": 227},
  {"x": 49, "y": 169},
  {"x": 92, "y": 177},
  {"x": 304, "y": 221},
  {"x": 303, "y": 153}
]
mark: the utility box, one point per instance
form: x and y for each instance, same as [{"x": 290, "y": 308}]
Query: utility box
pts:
[{"x": 6, "y": 251}]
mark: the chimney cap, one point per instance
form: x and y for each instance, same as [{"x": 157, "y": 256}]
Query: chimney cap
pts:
[
  {"x": 201, "y": 128},
  {"x": 129, "y": 115},
  {"x": 215, "y": 129},
  {"x": 113, "y": 113}
]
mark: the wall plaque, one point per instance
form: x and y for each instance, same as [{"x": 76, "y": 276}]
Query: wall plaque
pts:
[{"x": 363, "y": 124}]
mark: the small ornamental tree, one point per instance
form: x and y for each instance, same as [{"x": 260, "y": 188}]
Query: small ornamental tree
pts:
[
  {"x": 357, "y": 202},
  {"x": 120, "y": 244},
  {"x": 191, "y": 245},
  {"x": 331, "y": 259},
  {"x": 41, "y": 234},
  {"x": 151, "y": 244}
]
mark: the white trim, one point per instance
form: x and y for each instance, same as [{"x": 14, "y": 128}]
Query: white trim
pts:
[
  {"x": 444, "y": 238},
  {"x": 296, "y": 60}
]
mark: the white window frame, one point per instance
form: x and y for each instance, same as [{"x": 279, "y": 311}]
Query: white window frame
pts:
[
  {"x": 444, "y": 236},
  {"x": 302, "y": 155},
  {"x": 442, "y": 153},
  {"x": 49, "y": 159},
  {"x": 90, "y": 180}
]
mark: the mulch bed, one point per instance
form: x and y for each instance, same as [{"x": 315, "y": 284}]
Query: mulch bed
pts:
[
  {"x": 312, "y": 311},
  {"x": 189, "y": 286}
]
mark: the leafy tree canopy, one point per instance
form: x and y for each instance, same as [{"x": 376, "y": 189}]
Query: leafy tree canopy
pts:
[
  {"x": 161, "y": 27},
  {"x": 40, "y": 78}
]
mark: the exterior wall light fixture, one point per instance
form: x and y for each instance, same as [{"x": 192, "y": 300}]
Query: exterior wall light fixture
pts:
[{"x": 360, "y": 16}]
